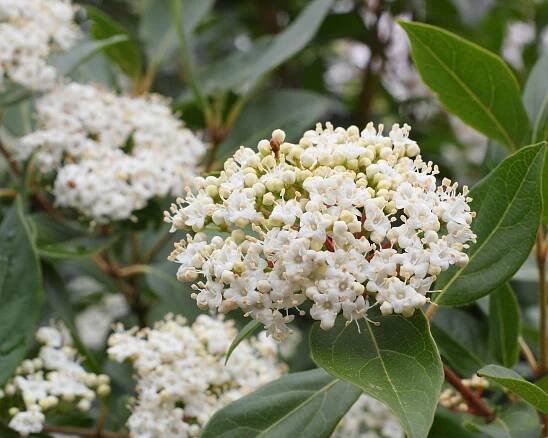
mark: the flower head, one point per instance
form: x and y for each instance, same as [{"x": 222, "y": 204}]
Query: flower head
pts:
[
  {"x": 111, "y": 154},
  {"x": 29, "y": 31},
  {"x": 182, "y": 376},
  {"x": 342, "y": 219}
]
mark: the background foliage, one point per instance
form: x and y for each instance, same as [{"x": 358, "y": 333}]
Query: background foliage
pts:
[{"x": 236, "y": 70}]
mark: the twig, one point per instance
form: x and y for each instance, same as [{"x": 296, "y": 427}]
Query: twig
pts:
[
  {"x": 11, "y": 162},
  {"x": 528, "y": 355},
  {"x": 540, "y": 252},
  {"x": 83, "y": 432},
  {"x": 472, "y": 399}
]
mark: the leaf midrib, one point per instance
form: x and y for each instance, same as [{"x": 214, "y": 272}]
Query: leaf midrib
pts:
[
  {"x": 377, "y": 349},
  {"x": 490, "y": 235},
  {"x": 471, "y": 94},
  {"x": 300, "y": 405}
]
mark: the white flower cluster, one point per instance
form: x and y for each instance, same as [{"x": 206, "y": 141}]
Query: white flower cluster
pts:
[
  {"x": 95, "y": 322},
  {"x": 182, "y": 376},
  {"x": 112, "y": 153},
  {"x": 29, "y": 31},
  {"x": 53, "y": 379},
  {"x": 335, "y": 219},
  {"x": 368, "y": 418}
]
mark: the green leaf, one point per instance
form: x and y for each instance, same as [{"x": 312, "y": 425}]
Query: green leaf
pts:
[
  {"x": 504, "y": 325},
  {"x": 79, "y": 247},
  {"x": 156, "y": 27},
  {"x": 279, "y": 49},
  {"x": 518, "y": 421},
  {"x": 454, "y": 353},
  {"x": 125, "y": 54},
  {"x": 535, "y": 99},
  {"x": 69, "y": 61},
  {"x": 471, "y": 82},
  {"x": 448, "y": 424},
  {"x": 512, "y": 381},
  {"x": 161, "y": 279},
  {"x": 508, "y": 206},
  {"x": 291, "y": 110},
  {"x": 396, "y": 362},
  {"x": 305, "y": 404},
  {"x": 21, "y": 292},
  {"x": 250, "y": 328}
]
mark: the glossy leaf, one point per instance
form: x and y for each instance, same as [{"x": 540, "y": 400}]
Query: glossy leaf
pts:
[
  {"x": 278, "y": 50},
  {"x": 68, "y": 62},
  {"x": 300, "y": 405},
  {"x": 156, "y": 27},
  {"x": 535, "y": 99},
  {"x": 250, "y": 328},
  {"x": 21, "y": 291},
  {"x": 512, "y": 381},
  {"x": 291, "y": 110},
  {"x": 75, "y": 248},
  {"x": 508, "y": 206},
  {"x": 449, "y": 424},
  {"x": 396, "y": 362},
  {"x": 454, "y": 353},
  {"x": 504, "y": 325},
  {"x": 125, "y": 54},
  {"x": 471, "y": 82},
  {"x": 519, "y": 420}
]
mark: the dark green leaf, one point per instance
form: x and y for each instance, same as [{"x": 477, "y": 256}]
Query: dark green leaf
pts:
[
  {"x": 504, "y": 325},
  {"x": 250, "y": 328},
  {"x": 280, "y": 48},
  {"x": 75, "y": 248},
  {"x": 470, "y": 82},
  {"x": 162, "y": 281},
  {"x": 69, "y": 61},
  {"x": 156, "y": 27},
  {"x": 508, "y": 206},
  {"x": 449, "y": 424},
  {"x": 512, "y": 381},
  {"x": 455, "y": 354},
  {"x": 518, "y": 421},
  {"x": 125, "y": 54},
  {"x": 396, "y": 362},
  {"x": 535, "y": 99},
  {"x": 300, "y": 405},
  {"x": 291, "y": 110},
  {"x": 21, "y": 292}
]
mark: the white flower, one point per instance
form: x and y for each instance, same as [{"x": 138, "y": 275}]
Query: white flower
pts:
[
  {"x": 29, "y": 31},
  {"x": 27, "y": 422},
  {"x": 112, "y": 154},
  {"x": 54, "y": 375},
  {"x": 181, "y": 373},
  {"x": 341, "y": 219}
]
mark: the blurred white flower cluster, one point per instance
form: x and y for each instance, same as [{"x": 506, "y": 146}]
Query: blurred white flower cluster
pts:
[
  {"x": 182, "y": 376},
  {"x": 53, "y": 379},
  {"x": 112, "y": 154},
  {"x": 29, "y": 31},
  {"x": 450, "y": 398},
  {"x": 95, "y": 322},
  {"x": 337, "y": 219},
  {"x": 368, "y": 418}
]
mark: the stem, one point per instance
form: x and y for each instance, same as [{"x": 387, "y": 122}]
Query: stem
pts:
[
  {"x": 540, "y": 252},
  {"x": 83, "y": 432},
  {"x": 528, "y": 355},
  {"x": 186, "y": 60},
  {"x": 472, "y": 399},
  {"x": 430, "y": 310},
  {"x": 157, "y": 247},
  {"x": 11, "y": 162},
  {"x": 8, "y": 193}
]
